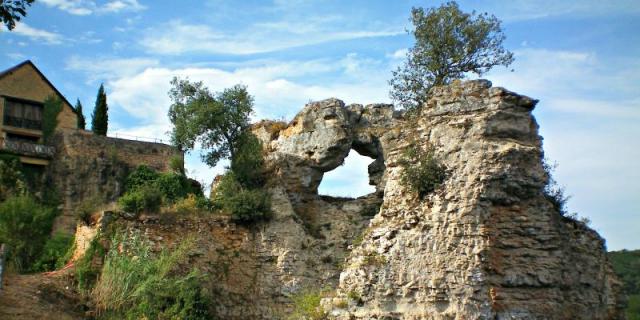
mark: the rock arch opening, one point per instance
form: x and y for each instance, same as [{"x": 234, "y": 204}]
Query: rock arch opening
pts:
[{"x": 349, "y": 180}]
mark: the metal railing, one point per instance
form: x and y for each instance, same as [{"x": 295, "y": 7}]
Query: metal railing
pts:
[
  {"x": 27, "y": 149},
  {"x": 138, "y": 138},
  {"x": 22, "y": 123}
]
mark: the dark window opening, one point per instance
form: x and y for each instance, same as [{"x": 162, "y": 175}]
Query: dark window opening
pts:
[
  {"x": 23, "y": 114},
  {"x": 20, "y": 138}
]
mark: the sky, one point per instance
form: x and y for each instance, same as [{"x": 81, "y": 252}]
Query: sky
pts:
[{"x": 579, "y": 58}]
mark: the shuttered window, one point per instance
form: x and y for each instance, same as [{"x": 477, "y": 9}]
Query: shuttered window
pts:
[{"x": 22, "y": 114}]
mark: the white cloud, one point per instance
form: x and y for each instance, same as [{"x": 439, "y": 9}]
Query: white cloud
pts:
[
  {"x": 109, "y": 68},
  {"x": 348, "y": 180},
  {"x": 86, "y": 7},
  {"x": 22, "y": 29},
  {"x": 279, "y": 89},
  {"x": 177, "y": 37}
]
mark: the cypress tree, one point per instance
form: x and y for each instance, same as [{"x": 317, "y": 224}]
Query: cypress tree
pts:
[
  {"x": 100, "y": 119},
  {"x": 81, "y": 120}
]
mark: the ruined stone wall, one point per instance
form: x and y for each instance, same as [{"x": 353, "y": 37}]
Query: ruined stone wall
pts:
[{"x": 93, "y": 168}]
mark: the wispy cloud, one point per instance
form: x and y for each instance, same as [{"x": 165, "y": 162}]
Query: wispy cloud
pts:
[
  {"x": 109, "y": 68},
  {"x": 35, "y": 34},
  {"x": 177, "y": 37},
  {"x": 86, "y": 7},
  {"x": 517, "y": 10}
]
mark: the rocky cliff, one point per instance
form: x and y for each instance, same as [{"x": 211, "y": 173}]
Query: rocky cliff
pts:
[{"x": 487, "y": 244}]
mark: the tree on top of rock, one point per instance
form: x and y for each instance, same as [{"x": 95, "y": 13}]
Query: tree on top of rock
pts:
[
  {"x": 449, "y": 43},
  {"x": 100, "y": 118},
  {"x": 215, "y": 120}
]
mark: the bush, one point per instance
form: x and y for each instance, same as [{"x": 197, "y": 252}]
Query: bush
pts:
[
  {"x": 147, "y": 199},
  {"x": 12, "y": 180},
  {"x": 176, "y": 163},
  {"x": 57, "y": 251},
  {"x": 140, "y": 177},
  {"x": 25, "y": 226},
  {"x": 306, "y": 305},
  {"x": 244, "y": 205},
  {"x": 188, "y": 205},
  {"x": 136, "y": 284},
  {"x": 176, "y": 186},
  {"x": 422, "y": 172}
]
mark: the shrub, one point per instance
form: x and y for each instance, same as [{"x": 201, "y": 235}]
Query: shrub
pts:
[
  {"x": 553, "y": 191},
  {"x": 140, "y": 177},
  {"x": 176, "y": 186},
  {"x": 55, "y": 254},
  {"x": 422, "y": 172},
  {"x": 12, "y": 181},
  {"x": 146, "y": 199},
  {"x": 25, "y": 226},
  {"x": 188, "y": 205},
  {"x": 306, "y": 305},
  {"x": 136, "y": 284},
  {"x": 85, "y": 209},
  {"x": 244, "y": 205}
]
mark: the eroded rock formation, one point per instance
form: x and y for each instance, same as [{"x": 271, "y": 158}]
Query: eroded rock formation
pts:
[{"x": 487, "y": 245}]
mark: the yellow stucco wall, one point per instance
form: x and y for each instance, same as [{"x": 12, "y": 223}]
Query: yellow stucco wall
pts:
[{"x": 26, "y": 83}]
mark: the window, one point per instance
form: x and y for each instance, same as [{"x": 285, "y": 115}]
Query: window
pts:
[{"x": 23, "y": 114}]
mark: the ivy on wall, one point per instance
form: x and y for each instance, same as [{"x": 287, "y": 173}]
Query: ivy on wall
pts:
[{"x": 52, "y": 107}]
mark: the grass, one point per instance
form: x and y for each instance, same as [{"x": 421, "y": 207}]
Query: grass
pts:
[
  {"x": 307, "y": 306},
  {"x": 135, "y": 283}
]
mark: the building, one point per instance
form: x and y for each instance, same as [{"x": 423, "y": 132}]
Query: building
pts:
[{"x": 23, "y": 90}]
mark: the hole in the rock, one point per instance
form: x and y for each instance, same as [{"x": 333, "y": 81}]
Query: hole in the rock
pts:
[{"x": 350, "y": 180}]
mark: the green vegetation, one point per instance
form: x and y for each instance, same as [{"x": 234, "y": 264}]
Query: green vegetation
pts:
[
  {"x": 82, "y": 122},
  {"x": 135, "y": 283},
  {"x": 52, "y": 107},
  {"x": 422, "y": 172},
  {"x": 143, "y": 199},
  {"x": 215, "y": 120},
  {"x": 87, "y": 268},
  {"x": 449, "y": 44},
  {"x": 626, "y": 264},
  {"x": 55, "y": 254},
  {"x": 306, "y": 305},
  {"x": 147, "y": 190},
  {"x": 220, "y": 123},
  {"x": 12, "y": 11},
  {"x": 100, "y": 118},
  {"x": 12, "y": 180},
  {"x": 25, "y": 226}
]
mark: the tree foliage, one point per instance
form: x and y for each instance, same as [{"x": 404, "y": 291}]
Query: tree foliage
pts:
[
  {"x": 100, "y": 117},
  {"x": 11, "y": 11},
  {"x": 215, "y": 120},
  {"x": 449, "y": 44},
  {"x": 52, "y": 107},
  {"x": 82, "y": 123}
]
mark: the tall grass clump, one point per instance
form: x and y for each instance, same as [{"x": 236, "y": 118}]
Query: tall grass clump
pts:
[
  {"x": 136, "y": 283},
  {"x": 306, "y": 306}
]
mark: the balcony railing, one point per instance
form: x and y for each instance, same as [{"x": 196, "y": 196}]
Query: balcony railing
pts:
[
  {"x": 22, "y": 123},
  {"x": 27, "y": 149}
]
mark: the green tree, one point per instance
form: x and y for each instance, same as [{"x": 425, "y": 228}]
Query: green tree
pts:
[
  {"x": 11, "y": 11},
  {"x": 215, "y": 120},
  {"x": 82, "y": 123},
  {"x": 449, "y": 44},
  {"x": 100, "y": 120}
]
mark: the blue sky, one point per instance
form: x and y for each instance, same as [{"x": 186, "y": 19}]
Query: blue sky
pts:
[{"x": 580, "y": 58}]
